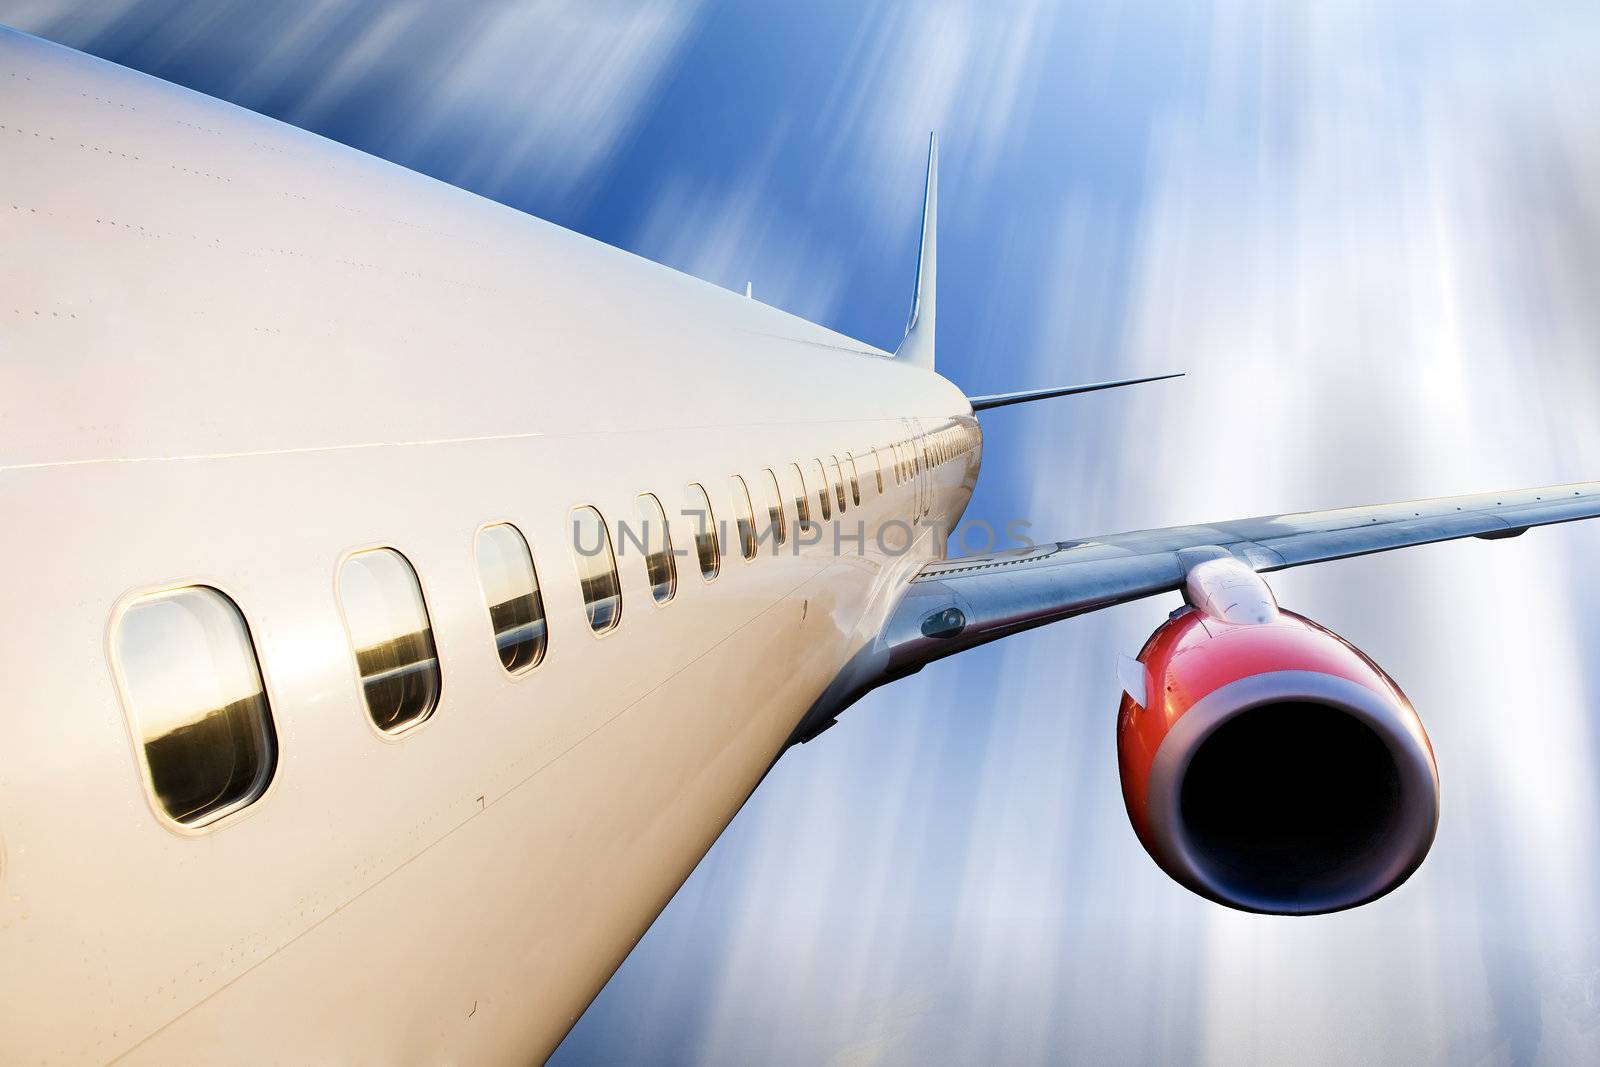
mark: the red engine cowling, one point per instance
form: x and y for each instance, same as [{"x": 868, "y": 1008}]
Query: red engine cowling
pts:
[{"x": 1268, "y": 764}]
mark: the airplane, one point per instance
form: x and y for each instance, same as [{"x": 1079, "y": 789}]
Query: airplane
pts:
[{"x": 406, "y": 593}]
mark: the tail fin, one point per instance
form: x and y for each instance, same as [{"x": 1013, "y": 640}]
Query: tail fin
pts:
[{"x": 917, "y": 347}]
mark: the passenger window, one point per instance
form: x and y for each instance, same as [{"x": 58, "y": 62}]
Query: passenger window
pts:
[
  {"x": 392, "y": 637},
  {"x": 855, "y": 480},
  {"x": 193, "y": 690},
  {"x": 877, "y": 469},
  {"x": 597, "y": 569},
  {"x": 838, "y": 483},
  {"x": 745, "y": 516},
  {"x": 775, "y": 509},
  {"x": 698, "y": 511},
  {"x": 802, "y": 505},
  {"x": 659, "y": 567},
  {"x": 511, "y": 589},
  {"x": 822, "y": 493}
]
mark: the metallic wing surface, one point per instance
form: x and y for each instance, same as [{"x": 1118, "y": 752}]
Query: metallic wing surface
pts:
[{"x": 1008, "y": 592}]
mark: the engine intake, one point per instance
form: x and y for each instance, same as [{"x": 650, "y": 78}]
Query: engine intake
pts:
[{"x": 1267, "y": 763}]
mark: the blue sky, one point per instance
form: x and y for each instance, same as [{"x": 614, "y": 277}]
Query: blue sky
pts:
[{"x": 1370, "y": 235}]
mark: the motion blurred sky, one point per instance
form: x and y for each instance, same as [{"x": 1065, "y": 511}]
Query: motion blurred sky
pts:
[{"x": 1371, "y": 235}]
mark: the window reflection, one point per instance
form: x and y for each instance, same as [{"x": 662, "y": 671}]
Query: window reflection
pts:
[
  {"x": 659, "y": 567},
  {"x": 194, "y": 691},
  {"x": 746, "y": 517},
  {"x": 802, "y": 505},
  {"x": 775, "y": 522},
  {"x": 697, "y": 510},
  {"x": 822, "y": 491},
  {"x": 511, "y": 589},
  {"x": 597, "y": 569},
  {"x": 392, "y": 637}
]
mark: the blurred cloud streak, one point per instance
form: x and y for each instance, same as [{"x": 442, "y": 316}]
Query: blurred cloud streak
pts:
[
  {"x": 960, "y": 67},
  {"x": 493, "y": 97}
]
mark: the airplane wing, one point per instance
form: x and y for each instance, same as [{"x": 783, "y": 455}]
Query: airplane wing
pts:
[{"x": 956, "y": 604}]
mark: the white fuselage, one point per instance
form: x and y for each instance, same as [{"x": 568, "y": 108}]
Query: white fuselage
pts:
[{"x": 233, "y": 353}]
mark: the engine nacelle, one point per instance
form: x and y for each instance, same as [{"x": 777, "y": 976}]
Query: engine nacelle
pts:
[{"x": 1266, "y": 762}]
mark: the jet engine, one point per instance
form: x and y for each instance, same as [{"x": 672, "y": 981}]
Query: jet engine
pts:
[{"x": 1266, "y": 762}]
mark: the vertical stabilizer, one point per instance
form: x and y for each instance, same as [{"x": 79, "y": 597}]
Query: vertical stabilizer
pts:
[{"x": 917, "y": 348}]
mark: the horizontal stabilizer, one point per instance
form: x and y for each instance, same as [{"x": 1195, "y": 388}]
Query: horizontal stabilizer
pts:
[{"x": 1000, "y": 400}]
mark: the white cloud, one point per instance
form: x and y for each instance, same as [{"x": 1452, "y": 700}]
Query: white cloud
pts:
[
  {"x": 962, "y": 68},
  {"x": 535, "y": 94},
  {"x": 734, "y": 235}
]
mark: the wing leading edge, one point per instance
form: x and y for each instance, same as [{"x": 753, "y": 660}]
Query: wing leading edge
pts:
[{"x": 957, "y": 604}]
